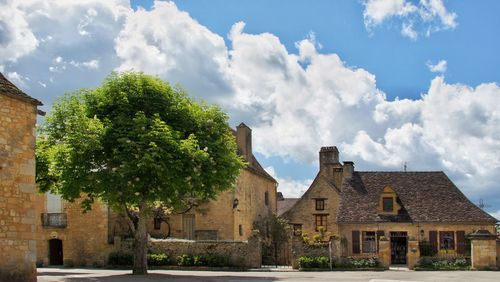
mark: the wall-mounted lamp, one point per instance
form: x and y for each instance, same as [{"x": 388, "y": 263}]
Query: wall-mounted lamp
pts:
[
  {"x": 235, "y": 203},
  {"x": 422, "y": 233}
]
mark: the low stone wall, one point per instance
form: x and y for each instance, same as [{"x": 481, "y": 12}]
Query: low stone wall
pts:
[
  {"x": 246, "y": 254},
  {"x": 299, "y": 249},
  {"x": 498, "y": 253}
]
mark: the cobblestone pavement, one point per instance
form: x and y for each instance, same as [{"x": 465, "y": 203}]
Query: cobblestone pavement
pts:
[{"x": 93, "y": 275}]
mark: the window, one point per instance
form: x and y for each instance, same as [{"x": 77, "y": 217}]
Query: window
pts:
[
  {"x": 320, "y": 204},
  {"x": 240, "y": 230},
  {"x": 388, "y": 204},
  {"x": 297, "y": 229},
  {"x": 369, "y": 243},
  {"x": 157, "y": 223},
  {"x": 320, "y": 221},
  {"x": 266, "y": 198},
  {"x": 446, "y": 240}
]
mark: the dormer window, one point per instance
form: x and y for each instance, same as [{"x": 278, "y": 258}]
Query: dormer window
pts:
[{"x": 388, "y": 203}]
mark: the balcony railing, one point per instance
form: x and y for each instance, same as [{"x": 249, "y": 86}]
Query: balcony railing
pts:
[{"x": 54, "y": 220}]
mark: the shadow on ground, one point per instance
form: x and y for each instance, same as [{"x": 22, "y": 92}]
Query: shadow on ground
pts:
[{"x": 156, "y": 277}]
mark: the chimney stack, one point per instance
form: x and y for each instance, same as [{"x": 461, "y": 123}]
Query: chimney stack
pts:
[
  {"x": 328, "y": 156},
  {"x": 244, "y": 141},
  {"x": 348, "y": 169}
]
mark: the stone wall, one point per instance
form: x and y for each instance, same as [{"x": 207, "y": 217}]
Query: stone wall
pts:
[
  {"x": 17, "y": 190},
  {"x": 219, "y": 217},
  {"x": 84, "y": 239},
  {"x": 246, "y": 254},
  {"x": 498, "y": 253}
]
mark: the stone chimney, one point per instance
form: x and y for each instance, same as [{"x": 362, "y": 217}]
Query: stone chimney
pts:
[
  {"x": 348, "y": 169},
  {"x": 244, "y": 141},
  {"x": 329, "y": 165}
]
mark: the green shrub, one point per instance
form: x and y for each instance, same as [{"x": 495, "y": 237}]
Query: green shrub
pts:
[
  {"x": 158, "y": 259},
  {"x": 185, "y": 260},
  {"x": 314, "y": 262},
  {"x": 444, "y": 263},
  {"x": 200, "y": 260},
  {"x": 355, "y": 262},
  {"x": 120, "y": 258},
  {"x": 217, "y": 260}
]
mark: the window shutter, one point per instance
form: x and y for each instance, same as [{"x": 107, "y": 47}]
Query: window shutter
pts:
[
  {"x": 355, "y": 242},
  {"x": 433, "y": 240},
  {"x": 460, "y": 242}
]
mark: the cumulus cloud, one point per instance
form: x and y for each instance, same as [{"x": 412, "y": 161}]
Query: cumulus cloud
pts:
[
  {"x": 289, "y": 187},
  {"x": 295, "y": 102},
  {"x": 439, "y": 67},
  {"x": 168, "y": 42},
  {"x": 424, "y": 18}
]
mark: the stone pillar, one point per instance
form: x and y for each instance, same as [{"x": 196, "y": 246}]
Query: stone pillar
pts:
[
  {"x": 384, "y": 252},
  {"x": 413, "y": 253},
  {"x": 483, "y": 250}
]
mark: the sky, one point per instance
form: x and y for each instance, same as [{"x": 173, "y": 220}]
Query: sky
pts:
[{"x": 387, "y": 82}]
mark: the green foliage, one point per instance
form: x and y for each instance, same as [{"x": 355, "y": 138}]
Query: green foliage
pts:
[
  {"x": 120, "y": 258},
  {"x": 158, "y": 259},
  {"x": 444, "y": 263},
  {"x": 356, "y": 262},
  {"x": 314, "y": 262},
  {"x": 274, "y": 232},
  {"x": 203, "y": 260},
  {"x": 135, "y": 140},
  {"x": 317, "y": 237},
  {"x": 185, "y": 260}
]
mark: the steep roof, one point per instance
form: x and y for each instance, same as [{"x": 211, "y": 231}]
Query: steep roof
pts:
[
  {"x": 424, "y": 197},
  {"x": 9, "y": 89},
  {"x": 255, "y": 167},
  {"x": 285, "y": 205}
]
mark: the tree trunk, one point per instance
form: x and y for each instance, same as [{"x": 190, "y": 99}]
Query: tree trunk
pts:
[{"x": 140, "y": 246}]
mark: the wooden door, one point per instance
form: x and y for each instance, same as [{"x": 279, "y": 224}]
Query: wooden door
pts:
[
  {"x": 188, "y": 226},
  {"x": 55, "y": 252}
]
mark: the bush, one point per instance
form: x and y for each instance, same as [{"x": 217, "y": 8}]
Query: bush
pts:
[
  {"x": 200, "y": 260},
  {"x": 158, "y": 259},
  {"x": 355, "y": 262},
  {"x": 444, "y": 263},
  {"x": 185, "y": 260},
  {"x": 314, "y": 262},
  {"x": 217, "y": 261},
  {"x": 120, "y": 258}
]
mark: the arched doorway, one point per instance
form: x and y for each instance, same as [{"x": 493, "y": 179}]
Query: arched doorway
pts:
[{"x": 55, "y": 252}]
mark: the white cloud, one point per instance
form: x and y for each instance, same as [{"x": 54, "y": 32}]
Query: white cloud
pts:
[
  {"x": 295, "y": 103},
  {"x": 496, "y": 214},
  {"x": 289, "y": 187},
  {"x": 426, "y": 17},
  {"x": 18, "y": 79},
  {"x": 440, "y": 66}
]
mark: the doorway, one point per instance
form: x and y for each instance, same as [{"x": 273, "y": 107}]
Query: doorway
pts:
[
  {"x": 55, "y": 252},
  {"x": 188, "y": 226},
  {"x": 399, "y": 247}
]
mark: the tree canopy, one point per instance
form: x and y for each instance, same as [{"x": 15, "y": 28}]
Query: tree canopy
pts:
[{"x": 135, "y": 142}]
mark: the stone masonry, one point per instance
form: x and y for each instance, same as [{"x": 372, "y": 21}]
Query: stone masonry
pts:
[{"x": 18, "y": 114}]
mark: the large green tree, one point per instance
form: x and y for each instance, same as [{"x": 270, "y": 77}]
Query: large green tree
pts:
[{"x": 136, "y": 143}]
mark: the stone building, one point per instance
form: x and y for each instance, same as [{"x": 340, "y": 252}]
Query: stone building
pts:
[
  {"x": 400, "y": 211},
  {"x": 232, "y": 214},
  {"x": 18, "y": 113},
  {"x": 66, "y": 235}
]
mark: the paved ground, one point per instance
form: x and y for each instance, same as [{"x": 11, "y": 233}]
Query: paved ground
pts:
[{"x": 88, "y": 275}]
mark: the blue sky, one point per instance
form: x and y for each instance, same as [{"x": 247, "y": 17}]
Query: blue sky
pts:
[{"x": 388, "y": 82}]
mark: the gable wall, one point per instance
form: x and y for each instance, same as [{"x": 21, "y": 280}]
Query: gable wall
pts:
[
  {"x": 304, "y": 210},
  {"x": 17, "y": 190}
]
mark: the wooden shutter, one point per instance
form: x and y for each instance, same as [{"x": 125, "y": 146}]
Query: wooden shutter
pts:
[
  {"x": 460, "y": 242},
  {"x": 433, "y": 241},
  {"x": 355, "y": 242}
]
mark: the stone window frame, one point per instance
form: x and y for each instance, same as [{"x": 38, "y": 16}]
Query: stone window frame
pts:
[
  {"x": 324, "y": 222},
  {"x": 366, "y": 246},
  {"x": 320, "y": 204},
  {"x": 385, "y": 204},
  {"x": 447, "y": 240}
]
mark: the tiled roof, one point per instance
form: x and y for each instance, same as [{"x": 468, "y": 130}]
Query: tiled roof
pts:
[
  {"x": 9, "y": 89},
  {"x": 285, "y": 204},
  {"x": 424, "y": 197}
]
